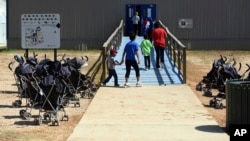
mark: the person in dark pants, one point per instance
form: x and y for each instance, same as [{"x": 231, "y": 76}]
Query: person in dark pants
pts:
[
  {"x": 150, "y": 29},
  {"x": 146, "y": 46},
  {"x": 132, "y": 59},
  {"x": 159, "y": 36},
  {"x": 111, "y": 69}
]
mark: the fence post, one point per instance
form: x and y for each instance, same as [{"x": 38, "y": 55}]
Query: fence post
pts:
[
  {"x": 184, "y": 63},
  {"x": 104, "y": 51}
]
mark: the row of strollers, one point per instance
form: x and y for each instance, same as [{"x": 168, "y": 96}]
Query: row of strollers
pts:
[
  {"x": 50, "y": 86},
  {"x": 223, "y": 69}
]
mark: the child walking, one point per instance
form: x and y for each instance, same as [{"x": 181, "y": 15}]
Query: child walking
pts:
[
  {"x": 146, "y": 47},
  {"x": 111, "y": 68}
]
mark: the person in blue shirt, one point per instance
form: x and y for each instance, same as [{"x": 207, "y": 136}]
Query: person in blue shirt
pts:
[{"x": 132, "y": 59}]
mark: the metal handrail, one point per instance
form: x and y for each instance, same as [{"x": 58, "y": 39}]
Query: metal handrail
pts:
[
  {"x": 113, "y": 42},
  {"x": 175, "y": 48},
  {"x": 177, "y": 52}
]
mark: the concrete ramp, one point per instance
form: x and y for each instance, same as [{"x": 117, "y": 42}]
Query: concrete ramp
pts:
[{"x": 148, "y": 113}]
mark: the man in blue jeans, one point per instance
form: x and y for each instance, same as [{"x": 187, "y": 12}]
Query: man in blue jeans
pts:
[{"x": 131, "y": 56}]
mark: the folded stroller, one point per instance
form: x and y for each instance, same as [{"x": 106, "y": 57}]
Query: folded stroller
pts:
[
  {"x": 210, "y": 80},
  {"x": 226, "y": 72},
  {"x": 80, "y": 82},
  {"x": 51, "y": 91}
]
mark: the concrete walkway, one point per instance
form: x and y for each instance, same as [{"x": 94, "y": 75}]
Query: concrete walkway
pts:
[{"x": 148, "y": 113}]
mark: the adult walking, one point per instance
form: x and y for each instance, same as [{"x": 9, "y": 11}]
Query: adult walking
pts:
[
  {"x": 136, "y": 20},
  {"x": 159, "y": 36},
  {"x": 132, "y": 59},
  {"x": 150, "y": 28}
]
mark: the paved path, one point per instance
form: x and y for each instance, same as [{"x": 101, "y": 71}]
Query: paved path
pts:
[
  {"x": 148, "y": 113},
  {"x": 163, "y": 109}
]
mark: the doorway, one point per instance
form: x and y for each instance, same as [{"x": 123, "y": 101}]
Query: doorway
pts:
[{"x": 145, "y": 11}]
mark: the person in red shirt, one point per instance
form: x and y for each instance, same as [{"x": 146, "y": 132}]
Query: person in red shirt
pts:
[{"x": 159, "y": 36}]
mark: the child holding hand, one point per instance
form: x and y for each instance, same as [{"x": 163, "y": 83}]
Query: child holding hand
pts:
[{"x": 111, "y": 68}]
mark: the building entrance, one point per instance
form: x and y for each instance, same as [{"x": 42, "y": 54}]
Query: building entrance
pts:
[{"x": 145, "y": 12}]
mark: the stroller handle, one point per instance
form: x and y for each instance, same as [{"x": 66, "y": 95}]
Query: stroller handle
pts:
[{"x": 11, "y": 65}]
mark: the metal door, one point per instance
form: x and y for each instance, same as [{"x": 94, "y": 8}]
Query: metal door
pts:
[
  {"x": 130, "y": 10},
  {"x": 146, "y": 11}
]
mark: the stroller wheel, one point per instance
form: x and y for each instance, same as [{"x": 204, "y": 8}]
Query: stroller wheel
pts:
[
  {"x": 17, "y": 103},
  {"x": 207, "y": 93},
  {"x": 38, "y": 120},
  {"x": 29, "y": 104},
  {"x": 199, "y": 87},
  {"x": 65, "y": 102},
  {"x": 94, "y": 88},
  {"x": 21, "y": 113},
  {"x": 91, "y": 95},
  {"x": 219, "y": 105},
  {"x": 46, "y": 116},
  {"x": 55, "y": 122},
  {"x": 77, "y": 104},
  {"x": 84, "y": 93},
  {"x": 65, "y": 116},
  {"x": 212, "y": 102},
  {"x": 27, "y": 115},
  {"x": 14, "y": 104}
]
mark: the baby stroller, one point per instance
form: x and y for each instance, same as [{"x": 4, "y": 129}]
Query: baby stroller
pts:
[
  {"x": 210, "y": 80},
  {"x": 51, "y": 91},
  {"x": 28, "y": 91},
  {"x": 22, "y": 75},
  {"x": 226, "y": 73},
  {"x": 19, "y": 83},
  {"x": 80, "y": 82}
]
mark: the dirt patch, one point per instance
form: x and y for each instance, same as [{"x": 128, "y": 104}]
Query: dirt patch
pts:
[{"x": 14, "y": 128}]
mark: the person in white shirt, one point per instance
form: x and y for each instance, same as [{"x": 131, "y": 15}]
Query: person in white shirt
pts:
[{"x": 136, "y": 21}]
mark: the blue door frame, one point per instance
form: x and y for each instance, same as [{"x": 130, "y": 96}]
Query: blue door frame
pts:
[{"x": 144, "y": 10}]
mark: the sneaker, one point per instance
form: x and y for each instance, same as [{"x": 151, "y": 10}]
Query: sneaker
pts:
[
  {"x": 126, "y": 85},
  {"x": 117, "y": 85},
  {"x": 103, "y": 84},
  {"x": 138, "y": 84}
]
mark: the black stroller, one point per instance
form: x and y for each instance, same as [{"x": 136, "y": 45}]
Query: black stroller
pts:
[
  {"x": 226, "y": 72},
  {"x": 47, "y": 77},
  {"x": 22, "y": 75},
  {"x": 80, "y": 82},
  {"x": 211, "y": 79}
]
